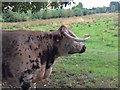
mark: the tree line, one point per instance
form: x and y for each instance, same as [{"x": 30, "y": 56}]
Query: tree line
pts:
[{"x": 22, "y": 11}]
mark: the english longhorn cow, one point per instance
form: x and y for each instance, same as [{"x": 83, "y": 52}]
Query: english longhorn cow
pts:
[{"x": 28, "y": 56}]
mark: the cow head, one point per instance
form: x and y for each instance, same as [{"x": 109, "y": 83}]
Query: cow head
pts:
[{"x": 68, "y": 43}]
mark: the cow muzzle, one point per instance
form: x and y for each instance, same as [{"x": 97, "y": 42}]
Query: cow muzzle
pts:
[
  {"x": 83, "y": 49},
  {"x": 25, "y": 85}
]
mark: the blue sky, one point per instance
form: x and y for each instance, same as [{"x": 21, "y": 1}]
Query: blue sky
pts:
[{"x": 94, "y": 3}]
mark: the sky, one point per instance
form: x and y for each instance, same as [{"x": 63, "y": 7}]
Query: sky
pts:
[{"x": 94, "y": 3}]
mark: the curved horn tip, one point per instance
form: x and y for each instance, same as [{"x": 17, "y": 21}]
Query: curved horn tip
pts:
[{"x": 87, "y": 37}]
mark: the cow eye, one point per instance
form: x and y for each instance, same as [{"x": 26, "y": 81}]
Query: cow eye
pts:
[{"x": 57, "y": 38}]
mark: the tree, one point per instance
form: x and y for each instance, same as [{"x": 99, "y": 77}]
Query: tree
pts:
[
  {"x": 61, "y": 13},
  {"x": 77, "y": 12},
  {"x": 55, "y": 14},
  {"x": 68, "y": 13},
  {"x": 33, "y": 6},
  {"x": 38, "y": 15},
  {"x": 80, "y": 6},
  {"x": 85, "y": 12},
  {"x": 113, "y": 8},
  {"x": 78, "y": 9},
  {"x": 104, "y": 9},
  {"x": 46, "y": 14}
]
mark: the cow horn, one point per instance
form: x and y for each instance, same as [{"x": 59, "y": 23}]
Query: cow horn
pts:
[{"x": 76, "y": 38}]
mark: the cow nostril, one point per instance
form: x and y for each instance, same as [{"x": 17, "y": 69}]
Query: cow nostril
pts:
[
  {"x": 84, "y": 47},
  {"x": 25, "y": 85}
]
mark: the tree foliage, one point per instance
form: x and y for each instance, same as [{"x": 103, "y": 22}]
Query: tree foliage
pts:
[
  {"x": 80, "y": 6},
  {"x": 22, "y": 11},
  {"x": 33, "y": 6}
]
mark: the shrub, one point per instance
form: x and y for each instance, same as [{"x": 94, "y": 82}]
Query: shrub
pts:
[
  {"x": 55, "y": 14},
  {"x": 29, "y": 14},
  {"x": 1, "y": 19},
  {"x": 77, "y": 12},
  {"x": 7, "y": 15},
  {"x": 24, "y": 17},
  {"x": 68, "y": 13},
  {"x": 37, "y": 15},
  {"x": 11, "y": 16},
  {"x": 61, "y": 13},
  {"x": 45, "y": 15}
]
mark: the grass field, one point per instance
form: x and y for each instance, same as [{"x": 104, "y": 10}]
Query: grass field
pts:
[{"x": 98, "y": 66}]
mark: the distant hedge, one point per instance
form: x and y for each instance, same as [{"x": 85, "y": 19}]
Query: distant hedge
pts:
[
  {"x": 78, "y": 10},
  {"x": 11, "y": 16}
]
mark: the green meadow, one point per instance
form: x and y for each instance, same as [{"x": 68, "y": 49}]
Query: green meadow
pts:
[{"x": 98, "y": 66}]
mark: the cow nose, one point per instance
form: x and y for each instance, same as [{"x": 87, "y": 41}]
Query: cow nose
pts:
[{"x": 83, "y": 49}]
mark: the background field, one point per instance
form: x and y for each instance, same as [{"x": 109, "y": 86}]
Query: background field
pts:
[{"x": 98, "y": 66}]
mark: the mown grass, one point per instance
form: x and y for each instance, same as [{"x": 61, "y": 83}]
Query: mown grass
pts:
[{"x": 98, "y": 66}]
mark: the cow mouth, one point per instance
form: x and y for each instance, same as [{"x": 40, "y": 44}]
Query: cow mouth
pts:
[
  {"x": 70, "y": 52},
  {"x": 81, "y": 51}
]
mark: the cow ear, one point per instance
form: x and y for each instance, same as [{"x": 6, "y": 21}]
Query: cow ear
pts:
[{"x": 63, "y": 28}]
